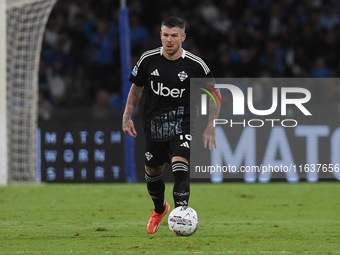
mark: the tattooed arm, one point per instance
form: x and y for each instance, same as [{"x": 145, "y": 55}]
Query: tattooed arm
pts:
[
  {"x": 132, "y": 100},
  {"x": 208, "y": 137}
]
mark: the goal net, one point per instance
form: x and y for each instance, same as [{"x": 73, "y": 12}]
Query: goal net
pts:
[{"x": 25, "y": 22}]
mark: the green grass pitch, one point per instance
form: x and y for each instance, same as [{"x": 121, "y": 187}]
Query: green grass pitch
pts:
[{"x": 112, "y": 218}]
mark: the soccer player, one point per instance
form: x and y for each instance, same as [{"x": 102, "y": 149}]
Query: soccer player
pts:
[{"x": 164, "y": 74}]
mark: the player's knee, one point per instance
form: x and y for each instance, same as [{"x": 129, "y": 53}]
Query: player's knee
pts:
[
  {"x": 180, "y": 159},
  {"x": 153, "y": 171}
]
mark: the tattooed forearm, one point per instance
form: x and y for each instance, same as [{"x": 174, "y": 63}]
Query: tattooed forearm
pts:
[
  {"x": 133, "y": 98},
  {"x": 214, "y": 110}
]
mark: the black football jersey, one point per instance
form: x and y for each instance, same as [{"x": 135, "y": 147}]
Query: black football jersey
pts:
[{"x": 166, "y": 83}]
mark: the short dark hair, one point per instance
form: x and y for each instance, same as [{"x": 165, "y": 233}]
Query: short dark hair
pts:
[{"x": 174, "y": 22}]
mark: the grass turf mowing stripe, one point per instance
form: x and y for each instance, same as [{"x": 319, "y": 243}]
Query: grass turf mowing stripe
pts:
[{"x": 112, "y": 218}]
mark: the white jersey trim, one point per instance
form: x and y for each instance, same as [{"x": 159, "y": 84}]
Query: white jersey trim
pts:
[
  {"x": 198, "y": 60},
  {"x": 184, "y": 54},
  {"x": 148, "y": 54}
]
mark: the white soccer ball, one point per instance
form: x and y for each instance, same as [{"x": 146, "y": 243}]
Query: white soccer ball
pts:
[{"x": 183, "y": 221}]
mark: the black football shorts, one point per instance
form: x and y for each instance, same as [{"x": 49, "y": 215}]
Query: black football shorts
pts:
[{"x": 158, "y": 153}]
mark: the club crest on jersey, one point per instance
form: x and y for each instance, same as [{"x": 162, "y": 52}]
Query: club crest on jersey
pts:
[
  {"x": 134, "y": 71},
  {"x": 182, "y": 75},
  {"x": 148, "y": 156}
]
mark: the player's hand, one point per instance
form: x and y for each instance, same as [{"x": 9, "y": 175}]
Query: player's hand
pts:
[
  {"x": 208, "y": 137},
  {"x": 129, "y": 128}
]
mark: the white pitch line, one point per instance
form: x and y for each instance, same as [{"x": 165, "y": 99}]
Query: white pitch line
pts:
[{"x": 155, "y": 252}]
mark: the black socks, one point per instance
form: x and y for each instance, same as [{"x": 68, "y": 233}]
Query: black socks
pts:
[
  {"x": 156, "y": 187},
  {"x": 181, "y": 191}
]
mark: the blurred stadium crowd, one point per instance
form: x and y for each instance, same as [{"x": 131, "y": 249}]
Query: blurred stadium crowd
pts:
[{"x": 80, "y": 60}]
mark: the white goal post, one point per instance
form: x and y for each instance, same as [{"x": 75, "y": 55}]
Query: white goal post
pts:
[
  {"x": 3, "y": 129},
  {"x": 22, "y": 24}
]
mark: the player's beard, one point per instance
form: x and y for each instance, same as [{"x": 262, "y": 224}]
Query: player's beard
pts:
[{"x": 172, "y": 51}]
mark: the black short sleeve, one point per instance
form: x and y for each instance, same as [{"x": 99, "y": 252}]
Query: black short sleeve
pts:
[{"x": 138, "y": 75}]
